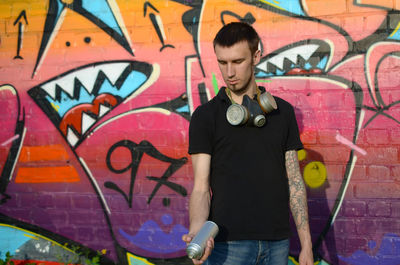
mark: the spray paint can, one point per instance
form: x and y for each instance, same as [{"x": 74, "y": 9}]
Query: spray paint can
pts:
[{"x": 196, "y": 247}]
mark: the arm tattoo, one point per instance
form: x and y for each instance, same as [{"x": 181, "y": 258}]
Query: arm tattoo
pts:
[{"x": 297, "y": 190}]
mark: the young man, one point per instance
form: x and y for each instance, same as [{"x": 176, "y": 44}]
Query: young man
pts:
[{"x": 245, "y": 177}]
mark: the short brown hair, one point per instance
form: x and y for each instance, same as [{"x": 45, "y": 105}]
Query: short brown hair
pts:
[{"x": 235, "y": 32}]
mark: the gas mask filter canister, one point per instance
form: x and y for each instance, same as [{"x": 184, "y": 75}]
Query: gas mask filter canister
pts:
[{"x": 251, "y": 112}]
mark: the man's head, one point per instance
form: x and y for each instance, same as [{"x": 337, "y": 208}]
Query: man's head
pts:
[
  {"x": 236, "y": 49},
  {"x": 236, "y": 32}
]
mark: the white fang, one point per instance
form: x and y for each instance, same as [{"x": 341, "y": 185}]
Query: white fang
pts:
[
  {"x": 86, "y": 76},
  {"x": 113, "y": 71},
  {"x": 103, "y": 110},
  {"x": 72, "y": 137},
  {"x": 305, "y": 51},
  {"x": 87, "y": 122}
]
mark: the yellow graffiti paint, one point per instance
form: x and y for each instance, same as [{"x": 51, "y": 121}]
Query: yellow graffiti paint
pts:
[
  {"x": 314, "y": 174},
  {"x": 293, "y": 261},
  {"x": 301, "y": 154},
  {"x": 271, "y": 4},
  {"x": 395, "y": 30},
  {"x": 56, "y": 107},
  {"x": 67, "y": 2},
  {"x": 30, "y": 236},
  {"x": 135, "y": 260}
]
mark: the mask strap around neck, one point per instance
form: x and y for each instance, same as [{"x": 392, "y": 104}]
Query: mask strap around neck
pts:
[{"x": 228, "y": 93}]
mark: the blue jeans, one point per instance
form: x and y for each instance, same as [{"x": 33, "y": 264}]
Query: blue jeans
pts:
[{"x": 250, "y": 252}]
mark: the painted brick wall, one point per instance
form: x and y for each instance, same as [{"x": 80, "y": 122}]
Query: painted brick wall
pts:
[{"x": 96, "y": 99}]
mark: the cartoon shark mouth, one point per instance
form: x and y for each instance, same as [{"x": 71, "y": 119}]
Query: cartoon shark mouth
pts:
[
  {"x": 304, "y": 57},
  {"x": 76, "y": 100}
]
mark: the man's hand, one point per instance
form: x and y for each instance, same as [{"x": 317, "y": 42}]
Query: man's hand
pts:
[
  {"x": 306, "y": 257},
  {"x": 209, "y": 247}
]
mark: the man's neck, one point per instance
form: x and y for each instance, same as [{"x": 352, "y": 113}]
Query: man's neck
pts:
[{"x": 250, "y": 91}]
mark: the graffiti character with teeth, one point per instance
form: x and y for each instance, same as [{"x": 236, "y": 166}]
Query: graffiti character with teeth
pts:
[
  {"x": 116, "y": 129},
  {"x": 249, "y": 155},
  {"x": 309, "y": 58}
]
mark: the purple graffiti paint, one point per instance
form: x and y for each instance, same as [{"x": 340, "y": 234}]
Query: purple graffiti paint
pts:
[{"x": 388, "y": 253}]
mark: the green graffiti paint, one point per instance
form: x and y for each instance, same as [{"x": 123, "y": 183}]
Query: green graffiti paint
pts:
[{"x": 215, "y": 84}]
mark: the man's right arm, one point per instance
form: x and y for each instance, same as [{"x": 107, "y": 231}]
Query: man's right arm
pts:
[{"x": 199, "y": 205}]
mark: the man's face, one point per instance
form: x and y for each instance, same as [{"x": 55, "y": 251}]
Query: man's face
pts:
[{"x": 237, "y": 65}]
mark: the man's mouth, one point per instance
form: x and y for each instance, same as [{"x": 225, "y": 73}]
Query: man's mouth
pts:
[{"x": 304, "y": 57}]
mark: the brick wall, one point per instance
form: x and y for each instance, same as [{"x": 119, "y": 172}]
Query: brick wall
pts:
[{"x": 96, "y": 98}]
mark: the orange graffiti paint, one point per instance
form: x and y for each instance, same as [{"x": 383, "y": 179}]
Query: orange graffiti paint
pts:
[
  {"x": 43, "y": 153},
  {"x": 47, "y": 174},
  {"x": 357, "y": 20}
]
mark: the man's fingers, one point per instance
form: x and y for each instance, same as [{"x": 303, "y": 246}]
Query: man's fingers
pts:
[
  {"x": 208, "y": 250},
  {"x": 187, "y": 238}
]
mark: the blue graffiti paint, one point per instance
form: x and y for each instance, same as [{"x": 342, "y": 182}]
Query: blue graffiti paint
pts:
[
  {"x": 66, "y": 102},
  {"x": 396, "y": 33},
  {"x": 279, "y": 72},
  {"x": 11, "y": 240},
  {"x": 388, "y": 253},
  {"x": 167, "y": 219},
  {"x": 322, "y": 64},
  {"x": 133, "y": 82},
  {"x": 60, "y": 8},
  {"x": 152, "y": 238},
  {"x": 263, "y": 74},
  {"x": 102, "y": 10},
  {"x": 292, "y": 6},
  {"x": 183, "y": 109}
]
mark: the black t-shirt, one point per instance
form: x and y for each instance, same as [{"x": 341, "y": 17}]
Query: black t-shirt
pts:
[{"x": 250, "y": 193}]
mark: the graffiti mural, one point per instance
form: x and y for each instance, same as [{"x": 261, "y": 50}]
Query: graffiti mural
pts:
[{"x": 96, "y": 99}]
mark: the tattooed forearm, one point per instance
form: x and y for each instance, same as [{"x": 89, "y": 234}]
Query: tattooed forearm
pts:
[{"x": 298, "y": 200}]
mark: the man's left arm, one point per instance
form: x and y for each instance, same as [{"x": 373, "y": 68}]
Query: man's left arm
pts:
[{"x": 298, "y": 206}]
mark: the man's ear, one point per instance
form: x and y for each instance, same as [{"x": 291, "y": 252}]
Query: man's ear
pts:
[{"x": 257, "y": 57}]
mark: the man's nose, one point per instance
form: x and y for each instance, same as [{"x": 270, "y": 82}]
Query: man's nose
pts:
[{"x": 230, "y": 70}]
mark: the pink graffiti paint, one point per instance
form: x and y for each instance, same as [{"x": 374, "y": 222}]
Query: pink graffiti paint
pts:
[
  {"x": 10, "y": 140},
  {"x": 348, "y": 143}
]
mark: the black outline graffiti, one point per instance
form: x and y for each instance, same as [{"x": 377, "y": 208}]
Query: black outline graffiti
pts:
[
  {"x": 380, "y": 106},
  {"x": 156, "y": 26},
  {"x": 190, "y": 20},
  {"x": 174, "y": 104},
  {"x": 248, "y": 18},
  {"x": 137, "y": 151},
  {"x": 19, "y": 20},
  {"x": 13, "y": 153},
  {"x": 52, "y": 20},
  {"x": 381, "y": 34}
]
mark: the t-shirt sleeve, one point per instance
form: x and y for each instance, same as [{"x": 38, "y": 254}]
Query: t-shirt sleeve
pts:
[
  {"x": 293, "y": 137},
  {"x": 200, "y": 132}
]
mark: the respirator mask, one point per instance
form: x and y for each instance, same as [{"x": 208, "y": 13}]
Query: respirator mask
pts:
[{"x": 251, "y": 112}]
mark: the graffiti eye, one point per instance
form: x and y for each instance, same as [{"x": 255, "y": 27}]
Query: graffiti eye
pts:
[{"x": 305, "y": 57}]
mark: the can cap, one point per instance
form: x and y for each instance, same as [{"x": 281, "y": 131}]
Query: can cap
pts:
[{"x": 194, "y": 251}]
